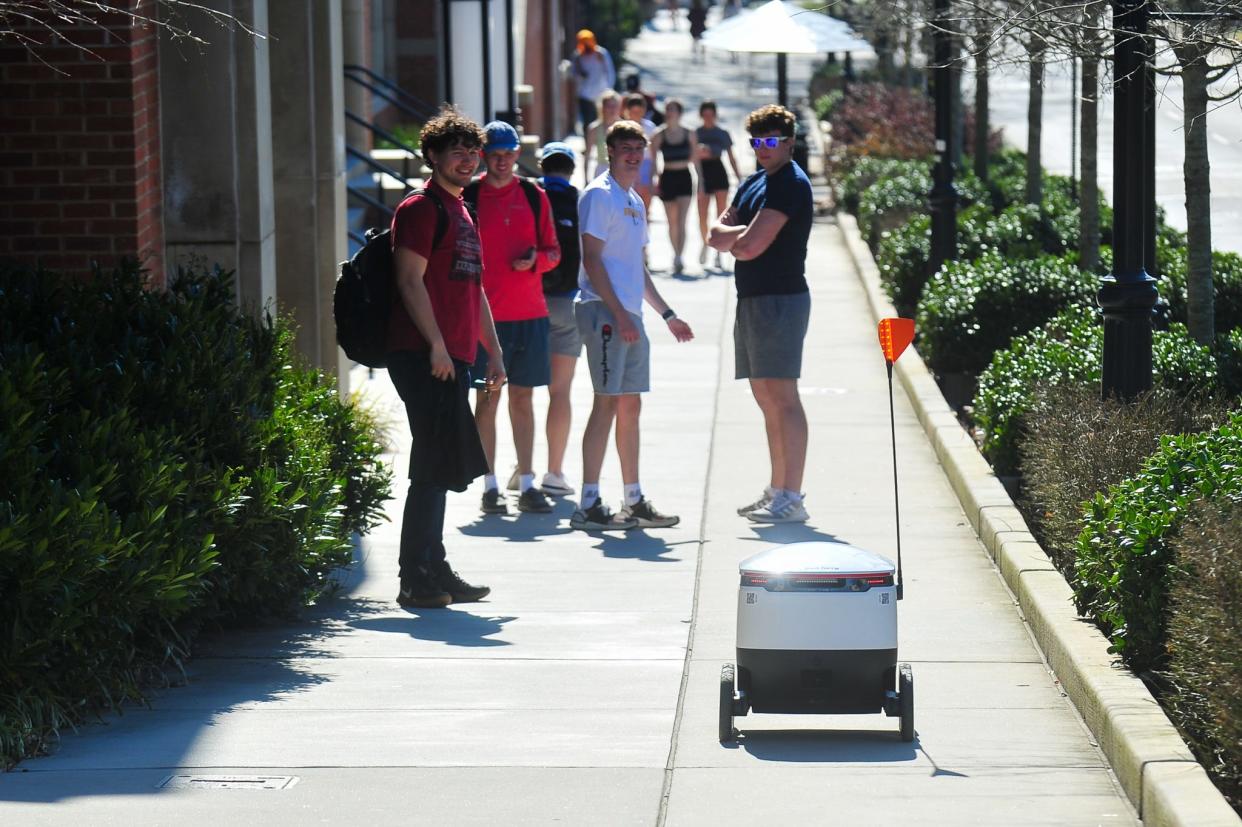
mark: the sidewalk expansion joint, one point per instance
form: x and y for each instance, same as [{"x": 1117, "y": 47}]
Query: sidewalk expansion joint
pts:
[{"x": 671, "y": 763}]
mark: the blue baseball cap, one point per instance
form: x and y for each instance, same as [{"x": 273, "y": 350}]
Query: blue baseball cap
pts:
[
  {"x": 500, "y": 135},
  {"x": 557, "y": 148}
]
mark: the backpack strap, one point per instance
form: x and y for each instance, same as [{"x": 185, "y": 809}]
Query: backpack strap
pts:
[
  {"x": 531, "y": 190},
  {"x": 470, "y": 194},
  {"x": 441, "y": 216}
]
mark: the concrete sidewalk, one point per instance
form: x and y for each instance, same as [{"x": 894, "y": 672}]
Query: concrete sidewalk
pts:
[{"x": 584, "y": 690}]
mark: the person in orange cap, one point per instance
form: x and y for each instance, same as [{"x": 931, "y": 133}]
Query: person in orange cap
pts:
[{"x": 595, "y": 73}]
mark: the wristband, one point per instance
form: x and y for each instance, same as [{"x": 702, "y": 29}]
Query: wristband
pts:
[{"x": 668, "y": 315}]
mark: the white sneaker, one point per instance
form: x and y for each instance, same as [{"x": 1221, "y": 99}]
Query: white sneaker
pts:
[
  {"x": 762, "y": 502},
  {"x": 781, "y": 509},
  {"x": 556, "y": 485},
  {"x": 677, "y": 266},
  {"x": 703, "y": 255}
]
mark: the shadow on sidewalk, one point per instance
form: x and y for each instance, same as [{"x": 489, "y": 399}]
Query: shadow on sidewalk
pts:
[
  {"x": 455, "y": 627},
  {"x": 843, "y": 746},
  {"x": 521, "y": 527},
  {"x": 639, "y": 545},
  {"x": 238, "y": 668},
  {"x": 791, "y": 533}
]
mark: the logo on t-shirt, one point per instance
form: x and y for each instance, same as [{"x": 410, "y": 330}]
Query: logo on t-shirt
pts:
[
  {"x": 634, "y": 215},
  {"x": 467, "y": 254}
]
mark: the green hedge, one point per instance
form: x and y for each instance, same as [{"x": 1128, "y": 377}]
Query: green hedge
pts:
[
  {"x": 1078, "y": 444},
  {"x": 891, "y": 200},
  {"x": 1019, "y": 231},
  {"x": 971, "y": 309},
  {"x": 861, "y": 171},
  {"x": 1226, "y": 286},
  {"x": 1068, "y": 350},
  {"x": 167, "y": 465},
  {"x": 901, "y": 257},
  {"x": 1205, "y": 642},
  {"x": 1125, "y": 561}
]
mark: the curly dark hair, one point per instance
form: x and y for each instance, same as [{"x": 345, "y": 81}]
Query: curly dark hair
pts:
[
  {"x": 771, "y": 118},
  {"x": 449, "y": 128}
]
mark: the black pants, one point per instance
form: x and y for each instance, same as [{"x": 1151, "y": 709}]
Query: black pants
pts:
[
  {"x": 422, "y": 525},
  {"x": 587, "y": 113}
]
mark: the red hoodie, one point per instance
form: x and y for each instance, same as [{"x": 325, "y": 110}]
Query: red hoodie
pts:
[{"x": 507, "y": 230}]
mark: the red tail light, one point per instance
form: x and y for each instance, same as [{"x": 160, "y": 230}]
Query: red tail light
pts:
[{"x": 816, "y": 581}]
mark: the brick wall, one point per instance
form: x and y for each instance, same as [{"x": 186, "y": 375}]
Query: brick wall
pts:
[
  {"x": 418, "y": 44},
  {"x": 80, "y": 148}
]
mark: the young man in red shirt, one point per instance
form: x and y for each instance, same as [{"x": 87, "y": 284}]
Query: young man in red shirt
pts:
[
  {"x": 439, "y": 315},
  {"x": 519, "y": 245}
]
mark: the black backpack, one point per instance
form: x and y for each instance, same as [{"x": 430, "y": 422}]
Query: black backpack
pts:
[
  {"x": 564, "y": 276},
  {"x": 529, "y": 188},
  {"x": 364, "y": 294}
]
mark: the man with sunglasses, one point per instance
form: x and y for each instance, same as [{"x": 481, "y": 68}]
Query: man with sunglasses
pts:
[{"x": 766, "y": 229}]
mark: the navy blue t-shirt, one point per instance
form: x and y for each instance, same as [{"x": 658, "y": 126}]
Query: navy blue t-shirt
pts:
[{"x": 781, "y": 268}]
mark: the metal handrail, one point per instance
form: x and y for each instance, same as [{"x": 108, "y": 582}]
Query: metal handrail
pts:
[
  {"x": 383, "y": 133},
  {"x": 374, "y": 164},
  {"x": 417, "y": 104},
  {"x": 375, "y": 90},
  {"x": 354, "y": 192},
  {"x": 356, "y": 237},
  {"x": 383, "y": 169}
]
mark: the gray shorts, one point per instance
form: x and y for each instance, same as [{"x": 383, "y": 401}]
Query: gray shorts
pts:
[
  {"x": 564, "y": 338},
  {"x": 616, "y": 366},
  {"x": 768, "y": 334}
]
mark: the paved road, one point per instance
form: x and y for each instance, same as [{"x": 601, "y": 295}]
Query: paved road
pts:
[
  {"x": 1008, "y": 109},
  {"x": 584, "y": 690}
]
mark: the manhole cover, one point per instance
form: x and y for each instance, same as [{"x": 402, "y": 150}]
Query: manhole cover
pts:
[{"x": 228, "y": 782}]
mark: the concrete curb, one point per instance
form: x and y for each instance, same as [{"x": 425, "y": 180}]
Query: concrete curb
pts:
[{"x": 1156, "y": 769}]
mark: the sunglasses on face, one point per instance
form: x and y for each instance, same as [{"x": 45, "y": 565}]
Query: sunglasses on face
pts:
[{"x": 770, "y": 143}]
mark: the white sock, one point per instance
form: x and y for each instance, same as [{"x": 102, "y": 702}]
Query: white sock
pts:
[
  {"x": 527, "y": 482},
  {"x": 791, "y": 496},
  {"x": 633, "y": 493},
  {"x": 489, "y": 482},
  {"x": 590, "y": 495}
]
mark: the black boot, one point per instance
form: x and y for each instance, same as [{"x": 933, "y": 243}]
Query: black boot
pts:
[
  {"x": 423, "y": 591},
  {"x": 461, "y": 591}
]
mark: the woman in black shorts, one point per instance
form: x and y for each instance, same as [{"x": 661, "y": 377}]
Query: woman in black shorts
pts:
[
  {"x": 712, "y": 145},
  {"x": 670, "y": 154}
]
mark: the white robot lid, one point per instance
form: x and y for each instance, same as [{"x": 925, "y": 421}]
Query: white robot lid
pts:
[{"x": 817, "y": 558}]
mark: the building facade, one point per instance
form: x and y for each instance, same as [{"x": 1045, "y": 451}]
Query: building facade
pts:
[{"x": 119, "y": 138}]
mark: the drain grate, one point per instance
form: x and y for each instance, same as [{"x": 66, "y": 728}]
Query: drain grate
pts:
[{"x": 228, "y": 782}]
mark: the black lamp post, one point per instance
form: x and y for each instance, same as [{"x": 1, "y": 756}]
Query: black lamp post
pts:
[
  {"x": 942, "y": 201},
  {"x": 1129, "y": 292}
]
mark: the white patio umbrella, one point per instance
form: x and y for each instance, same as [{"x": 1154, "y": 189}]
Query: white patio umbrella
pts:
[{"x": 784, "y": 28}]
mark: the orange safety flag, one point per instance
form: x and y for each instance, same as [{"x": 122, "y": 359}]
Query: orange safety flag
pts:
[{"x": 895, "y": 336}]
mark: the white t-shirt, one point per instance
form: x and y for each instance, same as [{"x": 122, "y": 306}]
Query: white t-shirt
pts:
[{"x": 615, "y": 215}]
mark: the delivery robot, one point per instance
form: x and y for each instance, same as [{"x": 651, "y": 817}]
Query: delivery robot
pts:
[
  {"x": 817, "y": 621},
  {"x": 817, "y": 634}
]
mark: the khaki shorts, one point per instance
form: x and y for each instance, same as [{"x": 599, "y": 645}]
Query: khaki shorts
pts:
[{"x": 617, "y": 367}]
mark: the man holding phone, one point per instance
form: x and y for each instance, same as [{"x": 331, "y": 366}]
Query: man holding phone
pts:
[{"x": 519, "y": 244}]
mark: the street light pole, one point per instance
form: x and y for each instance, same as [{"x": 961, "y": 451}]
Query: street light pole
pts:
[
  {"x": 782, "y": 78},
  {"x": 942, "y": 201},
  {"x": 1129, "y": 293}
]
